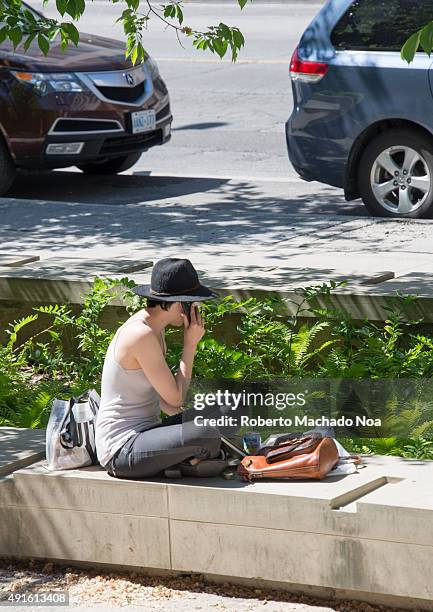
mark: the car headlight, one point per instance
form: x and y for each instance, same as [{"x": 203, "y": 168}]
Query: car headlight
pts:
[
  {"x": 44, "y": 83},
  {"x": 152, "y": 67}
]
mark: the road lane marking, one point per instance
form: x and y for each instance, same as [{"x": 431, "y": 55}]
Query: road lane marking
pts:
[{"x": 205, "y": 60}]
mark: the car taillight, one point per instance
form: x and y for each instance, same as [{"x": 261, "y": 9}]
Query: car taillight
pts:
[{"x": 301, "y": 70}]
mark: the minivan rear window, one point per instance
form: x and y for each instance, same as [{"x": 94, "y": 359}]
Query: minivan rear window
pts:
[{"x": 380, "y": 25}]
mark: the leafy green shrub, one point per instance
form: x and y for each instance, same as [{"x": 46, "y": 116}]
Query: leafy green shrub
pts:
[
  {"x": 266, "y": 343},
  {"x": 420, "y": 448},
  {"x": 40, "y": 368}
]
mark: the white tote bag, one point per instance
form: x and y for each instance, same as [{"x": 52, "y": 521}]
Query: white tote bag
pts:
[{"x": 70, "y": 435}]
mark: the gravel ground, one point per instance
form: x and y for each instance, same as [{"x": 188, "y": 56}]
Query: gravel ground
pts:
[{"x": 97, "y": 589}]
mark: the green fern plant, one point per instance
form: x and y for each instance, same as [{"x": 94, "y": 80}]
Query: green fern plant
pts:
[
  {"x": 421, "y": 449},
  {"x": 303, "y": 348}
]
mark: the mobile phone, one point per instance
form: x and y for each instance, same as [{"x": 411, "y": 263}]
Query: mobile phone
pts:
[{"x": 186, "y": 307}]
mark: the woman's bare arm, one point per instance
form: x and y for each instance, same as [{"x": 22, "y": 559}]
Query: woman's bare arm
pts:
[
  {"x": 167, "y": 409},
  {"x": 148, "y": 352}
]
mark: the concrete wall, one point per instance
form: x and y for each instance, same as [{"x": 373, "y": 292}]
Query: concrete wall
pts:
[{"x": 367, "y": 533}]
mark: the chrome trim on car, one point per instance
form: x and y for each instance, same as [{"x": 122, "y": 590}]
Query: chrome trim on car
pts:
[
  {"x": 51, "y": 148},
  {"x": 52, "y": 131},
  {"x": 158, "y": 123},
  {"x": 163, "y": 119},
  {"x": 128, "y": 78}
]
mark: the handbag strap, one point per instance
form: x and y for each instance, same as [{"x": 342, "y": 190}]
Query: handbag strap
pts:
[
  {"x": 90, "y": 449},
  {"x": 71, "y": 427},
  {"x": 65, "y": 425},
  {"x": 302, "y": 445}
]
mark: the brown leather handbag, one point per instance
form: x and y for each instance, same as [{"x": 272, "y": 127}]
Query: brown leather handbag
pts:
[{"x": 310, "y": 457}]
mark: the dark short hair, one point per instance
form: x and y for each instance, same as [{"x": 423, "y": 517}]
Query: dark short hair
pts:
[{"x": 151, "y": 303}]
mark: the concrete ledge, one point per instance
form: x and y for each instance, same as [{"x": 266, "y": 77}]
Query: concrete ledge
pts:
[
  {"x": 367, "y": 532},
  {"x": 386, "y": 568},
  {"x": 363, "y": 296},
  {"x": 20, "y": 447},
  {"x": 93, "y": 536},
  {"x": 368, "y": 295}
]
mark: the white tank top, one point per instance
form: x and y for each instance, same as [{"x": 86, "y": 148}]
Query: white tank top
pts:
[{"x": 129, "y": 404}]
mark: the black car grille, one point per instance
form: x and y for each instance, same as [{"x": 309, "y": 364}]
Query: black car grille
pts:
[
  {"x": 77, "y": 125},
  {"x": 126, "y": 144},
  {"x": 123, "y": 94}
]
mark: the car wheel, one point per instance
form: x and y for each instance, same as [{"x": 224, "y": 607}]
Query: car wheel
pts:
[
  {"x": 395, "y": 175},
  {"x": 110, "y": 166},
  {"x": 7, "y": 169}
]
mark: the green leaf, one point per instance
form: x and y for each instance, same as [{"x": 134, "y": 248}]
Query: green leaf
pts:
[
  {"x": 179, "y": 14},
  {"x": 134, "y": 54},
  {"x": 72, "y": 31},
  {"x": 75, "y": 8},
  {"x": 81, "y": 6},
  {"x": 15, "y": 35},
  {"x": 140, "y": 52},
  {"x": 170, "y": 10},
  {"x": 220, "y": 46},
  {"x": 426, "y": 38},
  {"x": 126, "y": 14},
  {"x": 43, "y": 43},
  {"x": 225, "y": 31},
  {"x": 29, "y": 41},
  {"x": 29, "y": 16},
  {"x": 200, "y": 43},
  {"x": 64, "y": 40},
  {"x": 242, "y": 3},
  {"x": 3, "y": 34},
  {"x": 238, "y": 38},
  {"x": 61, "y": 6},
  {"x": 410, "y": 47}
]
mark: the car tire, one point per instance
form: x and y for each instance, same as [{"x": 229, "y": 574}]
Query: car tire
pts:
[
  {"x": 110, "y": 166},
  {"x": 395, "y": 175},
  {"x": 7, "y": 169}
]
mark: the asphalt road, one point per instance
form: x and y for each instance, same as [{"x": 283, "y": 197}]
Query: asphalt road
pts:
[{"x": 228, "y": 118}]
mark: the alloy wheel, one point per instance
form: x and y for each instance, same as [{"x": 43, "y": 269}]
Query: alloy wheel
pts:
[{"x": 400, "y": 180}]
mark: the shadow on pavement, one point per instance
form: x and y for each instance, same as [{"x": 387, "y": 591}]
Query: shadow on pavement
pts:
[
  {"x": 168, "y": 212},
  {"x": 108, "y": 190},
  {"x": 200, "y": 126},
  {"x": 142, "y": 187}
]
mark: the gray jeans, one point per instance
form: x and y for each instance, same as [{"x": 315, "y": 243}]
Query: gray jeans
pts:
[{"x": 177, "y": 438}]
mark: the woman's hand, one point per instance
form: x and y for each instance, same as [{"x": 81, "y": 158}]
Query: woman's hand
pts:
[{"x": 193, "y": 332}]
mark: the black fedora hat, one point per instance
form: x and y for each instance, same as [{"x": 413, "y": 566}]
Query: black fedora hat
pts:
[{"x": 174, "y": 280}]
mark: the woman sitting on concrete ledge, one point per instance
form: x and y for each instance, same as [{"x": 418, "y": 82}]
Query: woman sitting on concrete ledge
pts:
[{"x": 131, "y": 439}]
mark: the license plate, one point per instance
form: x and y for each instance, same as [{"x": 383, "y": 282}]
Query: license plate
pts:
[{"x": 143, "y": 121}]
